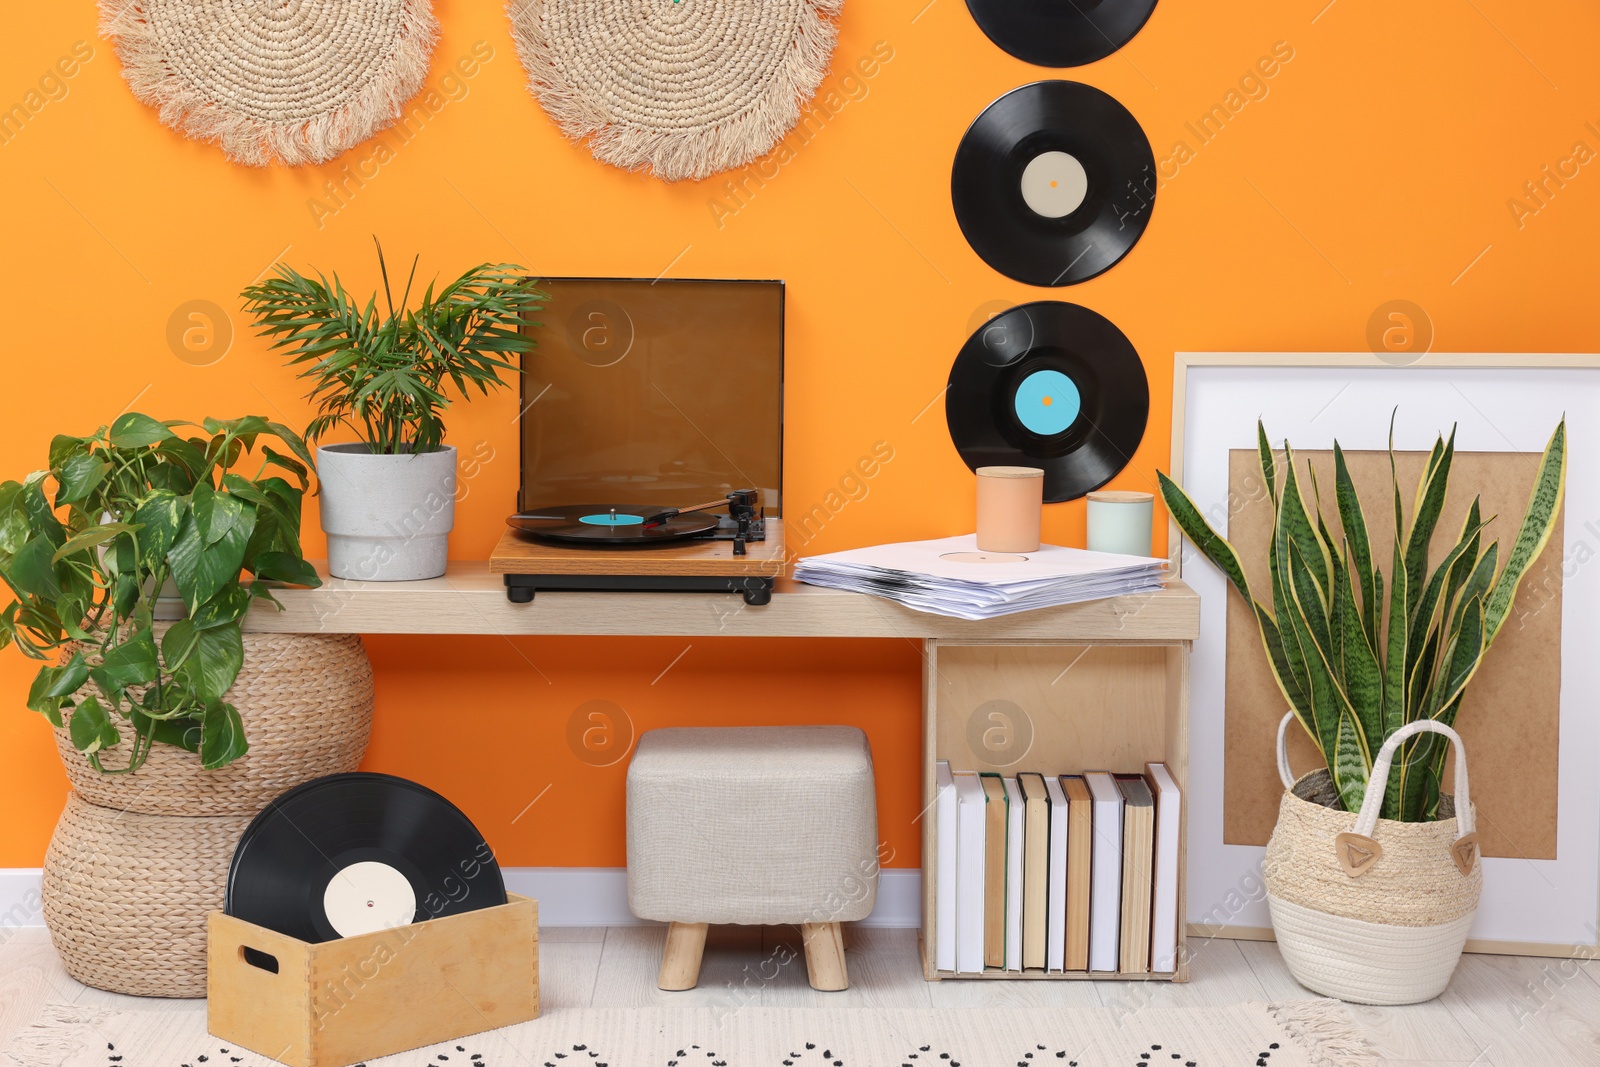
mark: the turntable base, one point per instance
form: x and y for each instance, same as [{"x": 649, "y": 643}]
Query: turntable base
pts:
[{"x": 699, "y": 565}]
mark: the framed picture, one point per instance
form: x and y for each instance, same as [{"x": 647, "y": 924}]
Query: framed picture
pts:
[{"x": 1531, "y": 719}]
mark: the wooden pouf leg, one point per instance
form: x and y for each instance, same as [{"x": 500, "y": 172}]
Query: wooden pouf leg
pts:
[
  {"x": 825, "y": 956},
  {"x": 680, "y": 962}
]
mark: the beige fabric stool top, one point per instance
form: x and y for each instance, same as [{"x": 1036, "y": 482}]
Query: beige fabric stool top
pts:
[{"x": 759, "y": 825}]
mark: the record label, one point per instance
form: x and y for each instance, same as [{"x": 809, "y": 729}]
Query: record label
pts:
[
  {"x": 368, "y": 896},
  {"x": 1049, "y": 385},
  {"x": 1054, "y": 183},
  {"x": 1056, "y": 34}
]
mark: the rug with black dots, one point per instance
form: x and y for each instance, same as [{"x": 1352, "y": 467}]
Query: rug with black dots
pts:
[{"x": 1314, "y": 1033}]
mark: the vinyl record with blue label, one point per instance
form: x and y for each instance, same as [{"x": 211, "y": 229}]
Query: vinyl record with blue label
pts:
[
  {"x": 1049, "y": 385},
  {"x": 1054, "y": 183},
  {"x": 1060, "y": 33},
  {"x": 351, "y": 854},
  {"x": 594, "y": 525}
]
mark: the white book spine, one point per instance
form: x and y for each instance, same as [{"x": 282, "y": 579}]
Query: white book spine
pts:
[
  {"x": 1056, "y": 924},
  {"x": 1014, "y": 847},
  {"x": 1105, "y": 889},
  {"x": 1164, "y": 906},
  {"x": 972, "y": 810},
  {"x": 944, "y": 890}
]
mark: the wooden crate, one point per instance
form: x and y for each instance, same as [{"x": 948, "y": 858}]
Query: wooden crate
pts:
[
  {"x": 352, "y": 1000},
  {"x": 1091, "y": 705}
]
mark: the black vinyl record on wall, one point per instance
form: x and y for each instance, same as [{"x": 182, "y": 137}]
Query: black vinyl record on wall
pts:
[
  {"x": 1049, "y": 385},
  {"x": 1060, "y": 33},
  {"x": 1053, "y": 183}
]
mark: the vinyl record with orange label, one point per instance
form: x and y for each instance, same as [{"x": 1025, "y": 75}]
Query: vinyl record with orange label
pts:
[{"x": 1054, "y": 183}]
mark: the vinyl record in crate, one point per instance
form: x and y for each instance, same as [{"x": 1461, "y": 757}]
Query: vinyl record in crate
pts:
[
  {"x": 593, "y": 525},
  {"x": 1054, "y": 183},
  {"x": 354, "y": 853},
  {"x": 1049, "y": 385},
  {"x": 1061, "y": 34}
]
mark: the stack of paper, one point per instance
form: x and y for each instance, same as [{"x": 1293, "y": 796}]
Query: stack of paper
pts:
[{"x": 950, "y": 576}]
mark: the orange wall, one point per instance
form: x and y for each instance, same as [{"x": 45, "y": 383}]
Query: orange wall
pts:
[{"x": 1379, "y": 163}]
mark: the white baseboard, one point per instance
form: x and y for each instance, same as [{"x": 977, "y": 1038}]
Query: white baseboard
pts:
[{"x": 567, "y": 896}]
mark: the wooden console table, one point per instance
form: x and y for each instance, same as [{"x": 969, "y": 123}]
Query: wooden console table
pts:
[{"x": 1103, "y": 684}]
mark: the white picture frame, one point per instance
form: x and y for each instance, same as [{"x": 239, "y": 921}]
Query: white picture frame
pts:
[{"x": 1499, "y": 403}]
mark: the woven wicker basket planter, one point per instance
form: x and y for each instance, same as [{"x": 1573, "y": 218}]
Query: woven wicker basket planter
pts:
[
  {"x": 1372, "y": 910},
  {"x": 139, "y": 860},
  {"x": 306, "y": 702},
  {"x": 126, "y": 896}
]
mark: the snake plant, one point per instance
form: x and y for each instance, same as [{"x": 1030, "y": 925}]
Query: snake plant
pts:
[{"x": 1351, "y": 671}]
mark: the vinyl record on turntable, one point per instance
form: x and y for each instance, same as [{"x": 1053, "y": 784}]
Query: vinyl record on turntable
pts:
[
  {"x": 1061, "y": 34},
  {"x": 351, "y": 854},
  {"x": 598, "y": 525},
  {"x": 1049, "y": 385},
  {"x": 1053, "y": 183}
]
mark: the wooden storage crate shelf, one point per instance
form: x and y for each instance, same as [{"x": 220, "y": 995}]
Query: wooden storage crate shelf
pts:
[{"x": 1056, "y": 707}]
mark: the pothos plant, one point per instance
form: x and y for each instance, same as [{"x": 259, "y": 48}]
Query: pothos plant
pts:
[
  {"x": 1352, "y": 672},
  {"x": 87, "y": 546}
]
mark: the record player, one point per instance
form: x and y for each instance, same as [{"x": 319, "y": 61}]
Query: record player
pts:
[{"x": 651, "y": 440}]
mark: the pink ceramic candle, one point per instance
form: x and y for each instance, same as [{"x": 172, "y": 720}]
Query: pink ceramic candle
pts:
[{"x": 1010, "y": 502}]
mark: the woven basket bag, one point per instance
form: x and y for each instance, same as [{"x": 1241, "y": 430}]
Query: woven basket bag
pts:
[
  {"x": 306, "y": 703},
  {"x": 1371, "y": 910},
  {"x": 126, "y": 896}
]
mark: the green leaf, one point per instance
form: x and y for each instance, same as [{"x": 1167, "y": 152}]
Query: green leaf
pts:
[
  {"x": 134, "y": 430},
  {"x": 133, "y": 662},
  {"x": 227, "y": 606},
  {"x": 42, "y": 519},
  {"x": 1534, "y": 534},
  {"x": 201, "y": 570},
  {"x": 159, "y": 517},
  {"x": 53, "y": 684},
  {"x": 1294, "y": 527},
  {"x": 212, "y": 666},
  {"x": 214, "y": 513},
  {"x": 1327, "y": 703},
  {"x": 222, "y": 737},
  {"x": 91, "y": 727},
  {"x": 33, "y": 571},
  {"x": 1269, "y": 472},
  {"x": 1363, "y": 678},
  {"x": 93, "y": 537},
  {"x": 1350, "y": 764},
  {"x": 1354, "y": 522},
  {"x": 282, "y": 567},
  {"x": 79, "y": 477},
  {"x": 289, "y": 464},
  {"x": 1426, "y": 509},
  {"x": 178, "y": 643},
  {"x": 182, "y": 732},
  {"x": 63, "y": 447}
]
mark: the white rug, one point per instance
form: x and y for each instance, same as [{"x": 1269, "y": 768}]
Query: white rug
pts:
[{"x": 1314, "y": 1033}]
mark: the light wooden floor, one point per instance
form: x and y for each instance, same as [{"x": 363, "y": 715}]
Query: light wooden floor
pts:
[{"x": 1500, "y": 1011}]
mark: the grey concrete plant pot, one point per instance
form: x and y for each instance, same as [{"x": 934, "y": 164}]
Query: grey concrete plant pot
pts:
[{"x": 388, "y": 518}]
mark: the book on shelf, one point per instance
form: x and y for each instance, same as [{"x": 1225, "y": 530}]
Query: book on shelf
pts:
[
  {"x": 944, "y": 892},
  {"x": 1080, "y": 858},
  {"x": 1035, "y": 870},
  {"x": 1164, "y": 891},
  {"x": 1014, "y": 849},
  {"x": 1138, "y": 839},
  {"x": 1105, "y": 892},
  {"x": 994, "y": 871},
  {"x": 1056, "y": 904},
  {"x": 971, "y": 856}
]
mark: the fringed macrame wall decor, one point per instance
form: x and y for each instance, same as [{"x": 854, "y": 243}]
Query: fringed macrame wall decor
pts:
[
  {"x": 297, "y": 81},
  {"x": 685, "y": 88}
]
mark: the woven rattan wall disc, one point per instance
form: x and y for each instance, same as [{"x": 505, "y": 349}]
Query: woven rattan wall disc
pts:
[
  {"x": 293, "y": 80},
  {"x": 684, "y": 88}
]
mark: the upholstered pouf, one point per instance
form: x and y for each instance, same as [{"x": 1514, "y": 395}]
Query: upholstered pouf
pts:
[{"x": 757, "y": 825}]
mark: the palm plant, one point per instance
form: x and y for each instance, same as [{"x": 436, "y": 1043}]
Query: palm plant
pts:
[
  {"x": 384, "y": 375},
  {"x": 1351, "y": 673}
]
